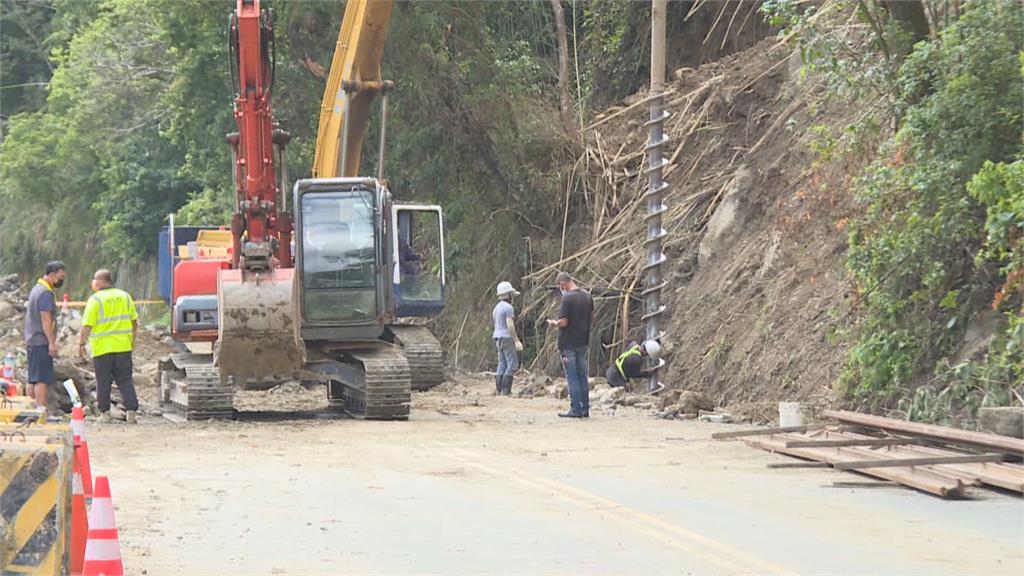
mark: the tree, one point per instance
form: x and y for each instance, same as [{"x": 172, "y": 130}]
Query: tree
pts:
[{"x": 564, "y": 86}]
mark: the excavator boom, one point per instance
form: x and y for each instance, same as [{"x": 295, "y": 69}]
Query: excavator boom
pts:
[{"x": 353, "y": 83}]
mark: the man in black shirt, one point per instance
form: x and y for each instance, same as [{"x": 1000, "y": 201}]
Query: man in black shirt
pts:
[{"x": 573, "y": 324}]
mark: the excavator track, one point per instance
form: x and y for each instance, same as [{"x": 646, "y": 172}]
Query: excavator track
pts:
[
  {"x": 423, "y": 353},
  {"x": 191, "y": 384},
  {"x": 379, "y": 389}
]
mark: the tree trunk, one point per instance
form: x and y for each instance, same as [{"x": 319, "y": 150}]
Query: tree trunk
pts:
[
  {"x": 911, "y": 16},
  {"x": 564, "y": 87}
]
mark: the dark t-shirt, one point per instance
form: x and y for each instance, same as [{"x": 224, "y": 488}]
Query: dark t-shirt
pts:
[
  {"x": 578, "y": 308},
  {"x": 39, "y": 300}
]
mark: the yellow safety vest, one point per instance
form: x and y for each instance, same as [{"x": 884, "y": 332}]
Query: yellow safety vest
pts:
[
  {"x": 634, "y": 350},
  {"x": 110, "y": 313}
]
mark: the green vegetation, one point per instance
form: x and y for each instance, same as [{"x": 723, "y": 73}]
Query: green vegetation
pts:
[
  {"x": 118, "y": 109},
  {"x": 936, "y": 240}
]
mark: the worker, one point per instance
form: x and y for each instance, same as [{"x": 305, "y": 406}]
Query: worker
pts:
[
  {"x": 41, "y": 331},
  {"x": 109, "y": 326},
  {"x": 574, "y": 319},
  {"x": 506, "y": 339},
  {"x": 632, "y": 363},
  {"x": 408, "y": 261}
]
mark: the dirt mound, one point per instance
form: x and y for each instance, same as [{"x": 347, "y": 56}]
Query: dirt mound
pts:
[{"x": 756, "y": 239}]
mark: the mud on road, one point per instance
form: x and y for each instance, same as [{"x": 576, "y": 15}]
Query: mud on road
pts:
[{"x": 474, "y": 484}]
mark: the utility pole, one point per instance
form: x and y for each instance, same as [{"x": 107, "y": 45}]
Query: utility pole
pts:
[{"x": 656, "y": 186}]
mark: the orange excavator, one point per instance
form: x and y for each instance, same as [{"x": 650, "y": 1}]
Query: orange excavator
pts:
[{"x": 330, "y": 283}]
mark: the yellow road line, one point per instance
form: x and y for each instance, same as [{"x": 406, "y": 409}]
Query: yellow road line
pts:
[{"x": 725, "y": 557}]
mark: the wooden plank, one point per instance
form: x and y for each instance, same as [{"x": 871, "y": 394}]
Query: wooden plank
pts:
[
  {"x": 869, "y": 442},
  {"x": 800, "y": 465},
  {"x": 992, "y": 442},
  {"x": 865, "y": 484},
  {"x": 763, "y": 431},
  {"x": 919, "y": 478},
  {"x": 935, "y": 460},
  {"x": 999, "y": 475}
]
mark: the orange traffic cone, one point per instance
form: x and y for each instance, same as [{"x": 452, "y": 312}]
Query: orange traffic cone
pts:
[
  {"x": 78, "y": 422},
  {"x": 102, "y": 551},
  {"x": 86, "y": 467},
  {"x": 79, "y": 519}
]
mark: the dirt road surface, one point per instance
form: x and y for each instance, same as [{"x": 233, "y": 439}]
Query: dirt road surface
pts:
[{"x": 482, "y": 485}]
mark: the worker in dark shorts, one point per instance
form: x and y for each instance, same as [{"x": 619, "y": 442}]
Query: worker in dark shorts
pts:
[
  {"x": 574, "y": 319},
  {"x": 41, "y": 331},
  {"x": 109, "y": 325},
  {"x": 632, "y": 363}
]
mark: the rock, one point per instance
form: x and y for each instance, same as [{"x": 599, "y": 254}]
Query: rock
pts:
[
  {"x": 613, "y": 396},
  {"x": 727, "y": 223},
  {"x": 63, "y": 369},
  {"x": 630, "y": 400},
  {"x": 7, "y": 309},
  {"x": 691, "y": 402},
  {"x": 562, "y": 391},
  {"x": 1004, "y": 420},
  {"x": 670, "y": 412},
  {"x": 668, "y": 398}
]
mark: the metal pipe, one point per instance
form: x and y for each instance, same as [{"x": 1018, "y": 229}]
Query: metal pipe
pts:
[
  {"x": 383, "y": 134},
  {"x": 344, "y": 133},
  {"x": 656, "y": 186},
  {"x": 282, "y": 206}
]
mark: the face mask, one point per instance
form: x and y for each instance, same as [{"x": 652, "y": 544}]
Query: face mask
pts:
[
  {"x": 58, "y": 283},
  {"x": 564, "y": 292}
]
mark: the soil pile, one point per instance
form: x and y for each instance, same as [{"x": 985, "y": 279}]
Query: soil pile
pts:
[{"x": 756, "y": 238}]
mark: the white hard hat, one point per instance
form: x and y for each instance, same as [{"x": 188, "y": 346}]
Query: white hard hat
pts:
[
  {"x": 652, "y": 348},
  {"x": 505, "y": 288}
]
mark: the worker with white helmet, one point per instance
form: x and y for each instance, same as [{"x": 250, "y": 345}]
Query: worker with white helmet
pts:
[
  {"x": 506, "y": 339},
  {"x": 633, "y": 363}
]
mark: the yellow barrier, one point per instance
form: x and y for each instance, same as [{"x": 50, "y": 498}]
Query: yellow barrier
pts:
[
  {"x": 35, "y": 502},
  {"x": 16, "y": 416}
]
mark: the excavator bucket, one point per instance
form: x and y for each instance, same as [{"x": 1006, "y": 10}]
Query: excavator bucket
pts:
[{"x": 258, "y": 335}]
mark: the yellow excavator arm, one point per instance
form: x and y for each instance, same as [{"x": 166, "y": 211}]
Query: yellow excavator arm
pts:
[{"x": 353, "y": 83}]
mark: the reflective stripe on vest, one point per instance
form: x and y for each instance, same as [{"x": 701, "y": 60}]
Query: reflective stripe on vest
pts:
[{"x": 634, "y": 350}]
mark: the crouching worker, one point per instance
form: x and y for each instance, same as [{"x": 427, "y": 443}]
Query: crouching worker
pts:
[
  {"x": 109, "y": 325},
  {"x": 632, "y": 364}
]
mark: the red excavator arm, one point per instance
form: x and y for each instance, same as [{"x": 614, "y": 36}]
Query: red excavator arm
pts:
[{"x": 260, "y": 226}]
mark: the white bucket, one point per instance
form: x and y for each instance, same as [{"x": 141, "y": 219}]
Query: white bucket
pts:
[{"x": 791, "y": 414}]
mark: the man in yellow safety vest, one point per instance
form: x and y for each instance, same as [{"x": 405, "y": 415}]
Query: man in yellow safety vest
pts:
[
  {"x": 632, "y": 363},
  {"x": 109, "y": 325}
]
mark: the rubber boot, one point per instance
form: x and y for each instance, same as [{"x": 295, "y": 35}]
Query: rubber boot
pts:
[
  {"x": 507, "y": 385},
  {"x": 499, "y": 380},
  {"x": 129, "y": 417}
]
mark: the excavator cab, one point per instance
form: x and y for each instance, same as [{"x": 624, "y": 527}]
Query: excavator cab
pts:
[
  {"x": 417, "y": 264},
  {"x": 338, "y": 256}
]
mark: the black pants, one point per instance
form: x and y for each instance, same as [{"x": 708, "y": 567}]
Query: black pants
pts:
[{"x": 112, "y": 368}]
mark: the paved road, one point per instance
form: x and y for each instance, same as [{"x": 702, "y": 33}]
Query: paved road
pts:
[{"x": 505, "y": 487}]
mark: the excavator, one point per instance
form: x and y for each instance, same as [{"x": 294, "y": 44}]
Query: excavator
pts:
[{"x": 331, "y": 283}]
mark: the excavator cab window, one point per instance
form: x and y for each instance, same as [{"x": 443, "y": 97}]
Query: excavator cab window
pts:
[
  {"x": 419, "y": 260},
  {"x": 338, "y": 257}
]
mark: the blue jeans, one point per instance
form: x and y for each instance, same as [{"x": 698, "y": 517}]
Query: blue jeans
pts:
[
  {"x": 574, "y": 360},
  {"x": 508, "y": 358}
]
